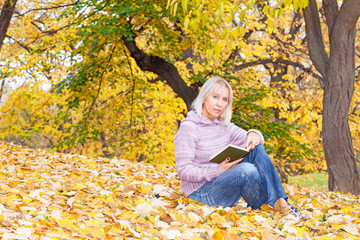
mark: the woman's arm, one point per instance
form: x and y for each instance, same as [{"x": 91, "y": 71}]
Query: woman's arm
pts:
[
  {"x": 188, "y": 169},
  {"x": 239, "y": 136}
]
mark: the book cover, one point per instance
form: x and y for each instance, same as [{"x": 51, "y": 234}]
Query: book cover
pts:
[{"x": 231, "y": 151}]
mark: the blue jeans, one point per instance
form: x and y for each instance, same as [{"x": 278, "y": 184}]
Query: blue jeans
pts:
[{"x": 255, "y": 179}]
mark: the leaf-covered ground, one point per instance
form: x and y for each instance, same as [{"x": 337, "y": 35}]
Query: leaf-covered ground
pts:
[{"x": 61, "y": 196}]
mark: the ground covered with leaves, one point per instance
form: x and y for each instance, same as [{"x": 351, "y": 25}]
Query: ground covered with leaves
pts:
[{"x": 60, "y": 196}]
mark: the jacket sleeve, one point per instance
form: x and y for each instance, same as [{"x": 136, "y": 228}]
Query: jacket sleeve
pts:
[
  {"x": 238, "y": 135},
  {"x": 187, "y": 167}
]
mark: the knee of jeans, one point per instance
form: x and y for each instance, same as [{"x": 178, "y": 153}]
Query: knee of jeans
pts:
[
  {"x": 252, "y": 172},
  {"x": 248, "y": 170},
  {"x": 259, "y": 147}
]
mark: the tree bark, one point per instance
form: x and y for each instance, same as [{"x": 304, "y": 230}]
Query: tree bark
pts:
[
  {"x": 105, "y": 145},
  {"x": 338, "y": 73},
  {"x": 314, "y": 37},
  {"x": 2, "y": 90},
  {"x": 163, "y": 69},
  {"x": 6, "y": 14}
]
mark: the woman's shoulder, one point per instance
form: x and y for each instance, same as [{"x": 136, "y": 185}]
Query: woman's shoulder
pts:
[
  {"x": 192, "y": 119},
  {"x": 188, "y": 124},
  {"x": 233, "y": 127}
]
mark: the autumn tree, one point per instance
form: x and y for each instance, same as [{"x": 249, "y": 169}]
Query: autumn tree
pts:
[
  {"x": 169, "y": 44},
  {"x": 337, "y": 67}
]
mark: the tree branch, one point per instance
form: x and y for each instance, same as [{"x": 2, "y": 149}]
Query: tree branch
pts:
[
  {"x": 48, "y": 8},
  {"x": 163, "y": 69},
  {"x": 28, "y": 49},
  {"x": 276, "y": 61},
  {"x": 295, "y": 24},
  {"x": 348, "y": 16},
  {"x": 75, "y": 21},
  {"x": 314, "y": 37},
  {"x": 331, "y": 11}
]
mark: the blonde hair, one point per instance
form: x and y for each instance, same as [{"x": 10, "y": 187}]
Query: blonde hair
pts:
[{"x": 210, "y": 86}]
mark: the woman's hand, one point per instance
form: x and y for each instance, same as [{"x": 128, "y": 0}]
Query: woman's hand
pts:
[
  {"x": 252, "y": 140},
  {"x": 226, "y": 165}
]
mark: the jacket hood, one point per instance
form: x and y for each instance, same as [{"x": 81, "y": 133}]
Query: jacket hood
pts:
[{"x": 192, "y": 116}]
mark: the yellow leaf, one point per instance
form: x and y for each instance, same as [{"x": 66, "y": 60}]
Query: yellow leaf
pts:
[
  {"x": 217, "y": 49},
  {"x": 93, "y": 232},
  {"x": 127, "y": 215},
  {"x": 65, "y": 223},
  {"x": 45, "y": 223},
  {"x": 184, "y": 4},
  {"x": 116, "y": 230},
  {"x": 186, "y": 23},
  {"x": 218, "y": 235},
  {"x": 91, "y": 164},
  {"x": 175, "y": 9},
  {"x": 96, "y": 223},
  {"x": 109, "y": 199}
]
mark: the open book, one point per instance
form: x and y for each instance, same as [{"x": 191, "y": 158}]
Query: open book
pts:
[{"x": 231, "y": 151}]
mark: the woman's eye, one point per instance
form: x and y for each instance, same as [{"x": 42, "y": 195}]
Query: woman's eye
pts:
[
  {"x": 225, "y": 100},
  {"x": 215, "y": 97}
]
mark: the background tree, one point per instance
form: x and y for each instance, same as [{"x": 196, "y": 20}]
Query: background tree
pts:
[
  {"x": 7, "y": 11},
  {"x": 337, "y": 69}
]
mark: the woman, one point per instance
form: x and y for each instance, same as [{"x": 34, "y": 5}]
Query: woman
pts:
[{"x": 206, "y": 130}]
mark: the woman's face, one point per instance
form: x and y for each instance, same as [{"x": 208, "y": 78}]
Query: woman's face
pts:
[{"x": 215, "y": 103}]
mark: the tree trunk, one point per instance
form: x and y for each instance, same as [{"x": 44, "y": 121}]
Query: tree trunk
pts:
[
  {"x": 338, "y": 91},
  {"x": 2, "y": 89},
  {"x": 105, "y": 145},
  {"x": 6, "y": 14},
  {"x": 338, "y": 146},
  {"x": 338, "y": 73}
]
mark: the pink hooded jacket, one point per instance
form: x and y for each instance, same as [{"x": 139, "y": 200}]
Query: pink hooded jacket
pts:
[{"x": 197, "y": 139}]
